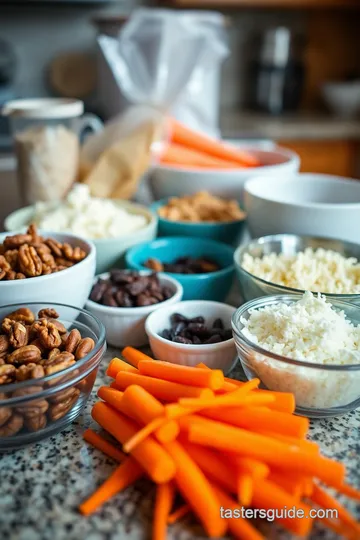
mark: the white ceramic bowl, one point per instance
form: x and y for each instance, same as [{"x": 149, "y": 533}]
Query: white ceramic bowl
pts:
[
  {"x": 126, "y": 326},
  {"x": 215, "y": 355},
  {"x": 71, "y": 286},
  {"x": 168, "y": 181},
  {"x": 342, "y": 98},
  {"x": 108, "y": 250},
  {"x": 307, "y": 205}
]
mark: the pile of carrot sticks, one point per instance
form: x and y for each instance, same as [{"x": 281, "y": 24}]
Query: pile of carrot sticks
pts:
[
  {"x": 218, "y": 443},
  {"x": 188, "y": 148}
]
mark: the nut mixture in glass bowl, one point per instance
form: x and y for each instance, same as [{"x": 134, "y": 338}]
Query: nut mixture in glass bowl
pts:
[
  {"x": 33, "y": 347},
  {"x": 30, "y": 255}
]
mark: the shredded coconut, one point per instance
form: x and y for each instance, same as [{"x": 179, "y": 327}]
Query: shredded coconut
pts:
[
  {"x": 310, "y": 330},
  {"x": 317, "y": 270}
]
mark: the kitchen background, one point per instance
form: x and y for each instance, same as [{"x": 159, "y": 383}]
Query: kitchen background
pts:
[{"x": 49, "y": 48}]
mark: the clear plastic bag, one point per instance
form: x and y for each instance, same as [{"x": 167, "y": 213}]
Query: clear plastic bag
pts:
[{"x": 170, "y": 61}]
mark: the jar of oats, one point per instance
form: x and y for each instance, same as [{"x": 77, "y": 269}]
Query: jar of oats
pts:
[{"x": 46, "y": 142}]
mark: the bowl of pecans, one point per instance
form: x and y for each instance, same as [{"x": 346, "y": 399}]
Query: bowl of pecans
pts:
[
  {"x": 49, "y": 356},
  {"x": 122, "y": 300},
  {"x": 49, "y": 267},
  {"x": 201, "y": 215}
]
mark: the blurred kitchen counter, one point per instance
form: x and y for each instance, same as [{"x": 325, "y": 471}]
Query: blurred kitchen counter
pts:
[{"x": 324, "y": 143}]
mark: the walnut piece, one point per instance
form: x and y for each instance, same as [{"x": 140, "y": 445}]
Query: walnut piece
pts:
[
  {"x": 24, "y": 315},
  {"x": 18, "y": 335},
  {"x": 48, "y": 334},
  {"x": 29, "y": 261}
]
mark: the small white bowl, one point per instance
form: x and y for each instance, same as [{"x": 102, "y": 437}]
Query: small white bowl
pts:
[
  {"x": 71, "y": 286},
  {"x": 342, "y": 98},
  {"x": 108, "y": 250},
  {"x": 126, "y": 326},
  {"x": 166, "y": 181},
  {"x": 308, "y": 205},
  {"x": 215, "y": 355}
]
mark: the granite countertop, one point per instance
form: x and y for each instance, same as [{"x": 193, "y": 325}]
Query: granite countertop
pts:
[{"x": 42, "y": 485}]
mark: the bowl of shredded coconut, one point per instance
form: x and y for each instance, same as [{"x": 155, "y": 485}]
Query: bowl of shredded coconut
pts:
[
  {"x": 307, "y": 344},
  {"x": 113, "y": 225},
  {"x": 285, "y": 263}
]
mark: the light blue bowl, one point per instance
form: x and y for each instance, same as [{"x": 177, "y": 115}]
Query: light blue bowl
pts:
[
  {"x": 210, "y": 286},
  {"x": 230, "y": 232}
]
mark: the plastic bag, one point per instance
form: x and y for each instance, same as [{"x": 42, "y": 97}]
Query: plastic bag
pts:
[{"x": 170, "y": 61}]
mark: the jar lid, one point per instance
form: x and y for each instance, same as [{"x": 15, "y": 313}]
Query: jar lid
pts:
[{"x": 44, "y": 108}]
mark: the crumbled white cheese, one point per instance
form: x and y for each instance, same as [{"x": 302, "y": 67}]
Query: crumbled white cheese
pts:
[
  {"x": 310, "y": 330},
  {"x": 87, "y": 216},
  {"x": 317, "y": 270}
]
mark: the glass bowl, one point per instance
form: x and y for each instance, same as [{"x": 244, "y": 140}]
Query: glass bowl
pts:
[
  {"x": 35, "y": 409},
  {"x": 252, "y": 286},
  {"x": 320, "y": 390}
]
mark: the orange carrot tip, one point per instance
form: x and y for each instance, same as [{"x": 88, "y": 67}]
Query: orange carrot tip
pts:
[
  {"x": 117, "y": 365},
  {"x": 133, "y": 356},
  {"x": 142, "y": 434},
  {"x": 97, "y": 441}
]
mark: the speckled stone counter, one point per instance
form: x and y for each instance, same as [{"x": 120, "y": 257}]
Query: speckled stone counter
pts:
[{"x": 42, "y": 485}]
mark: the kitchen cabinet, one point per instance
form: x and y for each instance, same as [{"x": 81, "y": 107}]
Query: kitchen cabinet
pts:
[{"x": 337, "y": 157}]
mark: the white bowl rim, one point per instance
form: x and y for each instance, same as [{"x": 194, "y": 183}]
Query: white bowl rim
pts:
[
  {"x": 301, "y": 178},
  {"x": 182, "y": 346},
  {"x": 280, "y": 150},
  {"x": 91, "y": 254},
  {"x": 151, "y": 216},
  {"x": 144, "y": 310}
]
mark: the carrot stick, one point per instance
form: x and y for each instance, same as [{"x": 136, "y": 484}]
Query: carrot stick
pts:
[
  {"x": 254, "y": 467},
  {"x": 102, "y": 444},
  {"x": 177, "y": 154},
  {"x": 258, "y": 399},
  {"x": 117, "y": 365},
  {"x": 127, "y": 473},
  {"x": 225, "y": 400},
  {"x": 289, "y": 483},
  {"x": 114, "y": 386},
  {"x": 302, "y": 444},
  {"x": 235, "y": 382},
  {"x": 163, "y": 503},
  {"x": 183, "y": 135},
  {"x": 323, "y": 499},
  {"x": 227, "y": 386},
  {"x": 224, "y": 437},
  {"x": 163, "y": 390},
  {"x": 133, "y": 356},
  {"x": 284, "y": 401},
  {"x": 349, "y": 491},
  {"x": 240, "y": 527},
  {"x": 143, "y": 433},
  {"x": 151, "y": 456},
  {"x": 341, "y": 528},
  {"x": 245, "y": 489},
  {"x": 196, "y": 490},
  {"x": 258, "y": 419},
  {"x": 205, "y": 378},
  {"x": 269, "y": 496},
  {"x": 178, "y": 514}
]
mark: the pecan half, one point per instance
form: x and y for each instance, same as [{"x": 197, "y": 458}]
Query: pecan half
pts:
[
  {"x": 29, "y": 371},
  {"x": 60, "y": 362},
  {"x": 84, "y": 347},
  {"x": 4, "y": 343},
  {"x": 35, "y": 423},
  {"x": 33, "y": 408},
  {"x": 54, "y": 246},
  {"x": 64, "y": 263},
  {"x": 25, "y": 355},
  {"x": 29, "y": 261},
  {"x": 72, "y": 340},
  {"x": 12, "y": 426},
  {"x": 4, "y": 264},
  {"x": 71, "y": 253},
  {"x": 2, "y": 274},
  {"x": 59, "y": 410},
  {"x": 7, "y": 374},
  {"x": 45, "y": 255},
  {"x": 11, "y": 255},
  {"x": 24, "y": 315},
  {"x": 48, "y": 334},
  {"x": 10, "y": 275},
  {"x": 63, "y": 396},
  {"x": 5, "y": 413},
  {"x": 18, "y": 335},
  {"x": 14, "y": 242},
  {"x": 48, "y": 313},
  {"x": 37, "y": 343}
]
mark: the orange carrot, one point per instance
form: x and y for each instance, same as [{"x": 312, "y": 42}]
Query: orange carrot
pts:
[
  {"x": 102, "y": 444},
  {"x": 269, "y": 496},
  {"x": 253, "y": 467},
  {"x": 341, "y": 528},
  {"x": 302, "y": 444},
  {"x": 205, "y": 378},
  {"x": 325, "y": 500},
  {"x": 133, "y": 356},
  {"x": 178, "y": 514},
  {"x": 284, "y": 401},
  {"x": 349, "y": 491},
  {"x": 258, "y": 419},
  {"x": 180, "y": 134},
  {"x": 141, "y": 406},
  {"x": 151, "y": 456},
  {"x": 234, "y": 382},
  {"x": 240, "y": 527},
  {"x": 225, "y": 400},
  {"x": 224, "y": 437},
  {"x": 226, "y": 387},
  {"x": 245, "y": 489},
  {"x": 117, "y": 365},
  {"x": 177, "y": 154},
  {"x": 127, "y": 473},
  {"x": 163, "y": 503},
  {"x": 290, "y": 483},
  {"x": 143, "y": 434},
  {"x": 163, "y": 390},
  {"x": 258, "y": 399},
  {"x": 196, "y": 490}
]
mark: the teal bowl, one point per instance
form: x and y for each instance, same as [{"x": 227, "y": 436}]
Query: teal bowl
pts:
[
  {"x": 209, "y": 286},
  {"x": 229, "y": 232}
]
